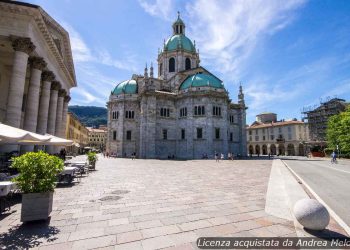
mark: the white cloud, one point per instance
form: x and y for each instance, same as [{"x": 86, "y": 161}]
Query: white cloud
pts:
[
  {"x": 158, "y": 8},
  {"x": 81, "y": 52},
  {"x": 227, "y": 31}
]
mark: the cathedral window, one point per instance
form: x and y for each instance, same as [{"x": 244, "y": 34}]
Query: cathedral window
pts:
[
  {"x": 216, "y": 111},
  {"x": 164, "y": 112},
  {"x": 165, "y": 134},
  {"x": 172, "y": 64},
  {"x": 115, "y": 115},
  {"x": 114, "y": 135},
  {"x": 232, "y": 120},
  {"x": 183, "y": 134},
  {"x": 199, "y": 110},
  {"x": 183, "y": 112},
  {"x": 129, "y": 114},
  {"x": 231, "y": 136},
  {"x": 187, "y": 63},
  {"x": 217, "y": 133},
  {"x": 128, "y": 135},
  {"x": 199, "y": 133}
]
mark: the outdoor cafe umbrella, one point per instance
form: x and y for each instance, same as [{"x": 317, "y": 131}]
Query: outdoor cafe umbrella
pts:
[
  {"x": 57, "y": 141},
  {"x": 12, "y": 135}
]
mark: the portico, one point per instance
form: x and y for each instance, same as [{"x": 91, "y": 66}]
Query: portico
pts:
[{"x": 36, "y": 70}]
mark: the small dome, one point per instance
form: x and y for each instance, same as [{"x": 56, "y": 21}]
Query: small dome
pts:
[
  {"x": 179, "y": 41},
  {"x": 125, "y": 87},
  {"x": 202, "y": 80}
]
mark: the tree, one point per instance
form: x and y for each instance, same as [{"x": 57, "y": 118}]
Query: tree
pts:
[{"x": 338, "y": 131}]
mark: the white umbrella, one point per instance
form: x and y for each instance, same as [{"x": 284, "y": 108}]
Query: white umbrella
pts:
[
  {"x": 57, "y": 141},
  {"x": 12, "y": 135}
]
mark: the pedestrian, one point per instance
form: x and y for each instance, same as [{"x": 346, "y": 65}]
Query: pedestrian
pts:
[
  {"x": 229, "y": 156},
  {"x": 222, "y": 156},
  {"x": 269, "y": 156},
  {"x": 334, "y": 157},
  {"x": 216, "y": 157}
]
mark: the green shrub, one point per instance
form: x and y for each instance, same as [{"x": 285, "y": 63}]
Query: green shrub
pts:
[
  {"x": 92, "y": 157},
  {"x": 37, "y": 171}
]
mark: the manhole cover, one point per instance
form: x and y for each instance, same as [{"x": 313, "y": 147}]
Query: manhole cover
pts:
[
  {"x": 120, "y": 192},
  {"x": 110, "y": 198}
]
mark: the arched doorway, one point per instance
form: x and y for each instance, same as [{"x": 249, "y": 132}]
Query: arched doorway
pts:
[
  {"x": 273, "y": 149},
  {"x": 257, "y": 149},
  {"x": 264, "y": 149},
  {"x": 281, "y": 149},
  {"x": 290, "y": 149},
  {"x": 251, "y": 149},
  {"x": 301, "y": 150}
]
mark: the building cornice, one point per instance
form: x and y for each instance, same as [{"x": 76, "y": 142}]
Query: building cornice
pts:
[{"x": 41, "y": 18}]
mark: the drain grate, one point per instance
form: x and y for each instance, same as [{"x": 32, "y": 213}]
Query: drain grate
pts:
[
  {"x": 110, "y": 198},
  {"x": 120, "y": 192}
]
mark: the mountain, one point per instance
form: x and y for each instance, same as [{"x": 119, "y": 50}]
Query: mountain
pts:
[{"x": 90, "y": 116}]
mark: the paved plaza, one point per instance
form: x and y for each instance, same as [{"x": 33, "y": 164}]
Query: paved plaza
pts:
[{"x": 151, "y": 204}]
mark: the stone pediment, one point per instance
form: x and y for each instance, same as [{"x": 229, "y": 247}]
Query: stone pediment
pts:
[{"x": 54, "y": 34}]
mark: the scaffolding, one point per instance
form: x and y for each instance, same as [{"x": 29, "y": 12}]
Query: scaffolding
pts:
[{"x": 317, "y": 116}]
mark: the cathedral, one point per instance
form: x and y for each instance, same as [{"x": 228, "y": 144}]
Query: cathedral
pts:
[{"x": 184, "y": 113}]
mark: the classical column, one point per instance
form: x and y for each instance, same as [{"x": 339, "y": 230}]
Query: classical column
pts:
[
  {"x": 58, "y": 126},
  {"x": 23, "y": 47},
  {"x": 64, "y": 116},
  {"x": 47, "y": 77},
  {"x": 31, "y": 112},
  {"x": 51, "y": 123}
]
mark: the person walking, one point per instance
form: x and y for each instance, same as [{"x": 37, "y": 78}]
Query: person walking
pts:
[
  {"x": 222, "y": 156},
  {"x": 216, "y": 157},
  {"x": 334, "y": 157}
]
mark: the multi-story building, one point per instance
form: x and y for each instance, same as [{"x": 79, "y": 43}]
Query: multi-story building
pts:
[
  {"x": 269, "y": 136},
  {"x": 97, "y": 138},
  {"x": 317, "y": 118},
  {"x": 76, "y": 132},
  {"x": 185, "y": 112},
  {"x": 36, "y": 71}
]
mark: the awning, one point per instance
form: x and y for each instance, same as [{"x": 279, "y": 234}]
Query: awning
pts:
[{"x": 12, "y": 135}]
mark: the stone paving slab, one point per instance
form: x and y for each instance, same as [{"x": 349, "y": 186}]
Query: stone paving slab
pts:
[{"x": 151, "y": 204}]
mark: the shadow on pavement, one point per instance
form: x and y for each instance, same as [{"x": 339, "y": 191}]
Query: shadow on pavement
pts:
[
  {"x": 28, "y": 235},
  {"x": 326, "y": 234}
]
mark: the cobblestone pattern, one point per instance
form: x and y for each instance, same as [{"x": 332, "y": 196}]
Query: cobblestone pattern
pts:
[{"x": 151, "y": 204}]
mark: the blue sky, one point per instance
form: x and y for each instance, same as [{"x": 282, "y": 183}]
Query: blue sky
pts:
[{"x": 287, "y": 54}]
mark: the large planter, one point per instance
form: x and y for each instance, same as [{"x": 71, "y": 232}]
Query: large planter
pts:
[{"x": 36, "y": 206}]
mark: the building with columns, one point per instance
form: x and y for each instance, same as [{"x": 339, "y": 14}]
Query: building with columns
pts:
[
  {"x": 36, "y": 70},
  {"x": 183, "y": 112},
  {"x": 269, "y": 136}
]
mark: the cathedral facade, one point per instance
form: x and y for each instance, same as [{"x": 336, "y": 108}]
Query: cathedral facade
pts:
[{"x": 185, "y": 112}]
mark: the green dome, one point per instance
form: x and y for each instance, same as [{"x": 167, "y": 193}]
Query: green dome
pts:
[
  {"x": 126, "y": 87},
  {"x": 179, "y": 41},
  {"x": 201, "y": 80}
]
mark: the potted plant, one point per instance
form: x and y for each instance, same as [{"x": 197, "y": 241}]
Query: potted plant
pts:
[
  {"x": 92, "y": 158},
  {"x": 37, "y": 179}
]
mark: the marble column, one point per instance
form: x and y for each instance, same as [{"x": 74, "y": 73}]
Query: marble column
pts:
[
  {"x": 64, "y": 116},
  {"x": 23, "y": 47},
  {"x": 32, "y": 105},
  {"x": 47, "y": 77},
  {"x": 60, "y": 100},
  {"x": 51, "y": 123},
  {"x": 31, "y": 112}
]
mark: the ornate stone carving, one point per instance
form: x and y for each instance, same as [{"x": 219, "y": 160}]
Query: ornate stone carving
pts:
[
  {"x": 23, "y": 44},
  {"x": 67, "y": 98},
  {"x": 37, "y": 63},
  {"x": 55, "y": 85},
  {"x": 47, "y": 76},
  {"x": 62, "y": 93}
]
